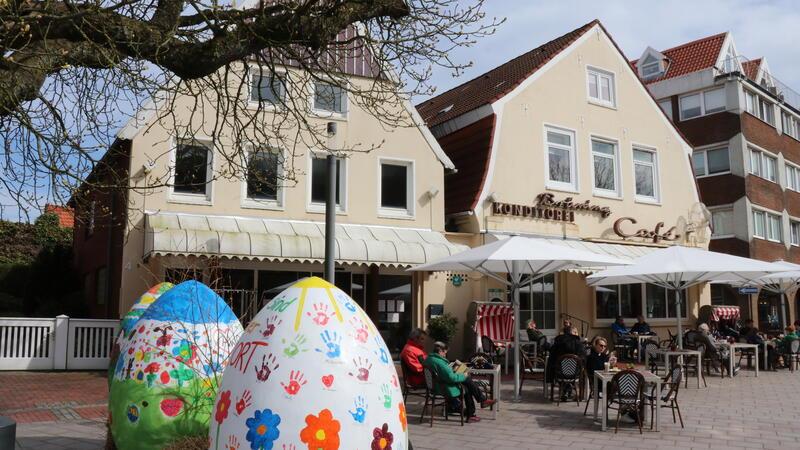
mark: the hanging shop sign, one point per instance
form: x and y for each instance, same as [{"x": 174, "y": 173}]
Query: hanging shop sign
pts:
[
  {"x": 548, "y": 208},
  {"x": 656, "y": 235}
]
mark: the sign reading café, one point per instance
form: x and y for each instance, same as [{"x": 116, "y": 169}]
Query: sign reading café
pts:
[{"x": 548, "y": 208}]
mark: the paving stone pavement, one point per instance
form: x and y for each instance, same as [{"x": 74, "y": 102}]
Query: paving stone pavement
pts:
[{"x": 746, "y": 412}]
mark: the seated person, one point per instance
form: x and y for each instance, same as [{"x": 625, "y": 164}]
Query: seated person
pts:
[
  {"x": 566, "y": 324},
  {"x": 640, "y": 327},
  {"x": 748, "y": 331},
  {"x": 622, "y": 336},
  {"x": 784, "y": 343},
  {"x": 534, "y": 334},
  {"x": 725, "y": 330},
  {"x": 567, "y": 343},
  {"x": 597, "y": 358},
  {"x": 410, "y": 356},
  {"x": 448, "y": 381},
  {"x": 720, "y": 356},
  {"x": 750, "y": 334},
  {"x": 619, "y": 326}
]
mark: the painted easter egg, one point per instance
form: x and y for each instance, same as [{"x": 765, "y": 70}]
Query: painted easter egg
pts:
[
  {"x": 170, "y": 366},
  {"x": 310, "y": 372}
]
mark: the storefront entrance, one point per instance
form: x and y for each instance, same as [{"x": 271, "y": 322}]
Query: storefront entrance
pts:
[{"x": 770, "y": 316}]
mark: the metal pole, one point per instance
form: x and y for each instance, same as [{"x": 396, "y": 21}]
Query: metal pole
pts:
[
  {"x": 784, "y": 312},
  {"x": 678, "y": 313},
  {"x": 515, "y": 278},
  {"x": 330, "y": 220}
]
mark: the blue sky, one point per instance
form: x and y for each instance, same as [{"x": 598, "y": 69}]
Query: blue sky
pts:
[{"x": 760, "y": 28}]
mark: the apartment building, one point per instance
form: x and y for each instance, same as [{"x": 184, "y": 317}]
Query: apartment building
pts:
[{"x": 742, "y": 123}]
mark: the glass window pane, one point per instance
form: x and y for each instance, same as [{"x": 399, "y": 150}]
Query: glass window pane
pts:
[
  {"x": 394, "y": 186},
  {"x": 319, "y": 167},
  {"x": 699, "y": 163},
  {"x": 328, "y": 97},
  {"x": 605, "y": 148},
  {"x": 722, "y": 222},
  {"x": 690, "y": 106},
  {"x": 604, "y": 173},
  {"x": 630, "y": 300},
  {"x": 559, "y": 161},
  {"x": 592, "y": 77},
  {"x": 559, "y": 138},
  {"x": 262, "y": 175},
  {"x": 267, "y": 88},
  {"x": 718, "y": 160},
  {"x": 643, "y": 156},
  {"x": 191, "y": 167},
  {"x": 605, "y": 88},
  {"x": 758, "y": 224},
  {"x": 607, "y": 302},
  {"x": 656, "y": 302},
  {"x": 770, "y": 164},
  {"x": 755, "y": 162},
  {"x": 714, "y": 100}
]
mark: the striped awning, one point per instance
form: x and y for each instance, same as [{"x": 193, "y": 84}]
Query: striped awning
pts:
[
  {"x": 495, "y": 320},
  {"x": 724, "y": 313},
  {"x": 260, "y": 239}
]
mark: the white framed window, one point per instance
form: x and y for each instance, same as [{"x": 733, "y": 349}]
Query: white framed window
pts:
[
  {"x": 650, "y": 67},
  {"x": 794, "y": 233},
  {"x": 267, "y": 88},
  {"x": 645, "y": 172},
  {"x": 261, "y": 187},
  {"x": 767, "y": 226},
  {"x": 791, "y": 125},
  {"x": 760, "y": 107},
  {"x": 666, "y": 106},
  {"x": 192, "y": 162},
  {"x": 759, "y": 224},
  {"x": 317, "y": 183},
  {"x": 711, "y": 162},
  {"x": 395, "y": 187},
  {"x": 722, "y": 222},
  {"x": 763, "y": 165},
  {"x": 600, "y": 84},
  {"x": 702, "y": 103},
  {"x": 774, "y": 229},
  {"x": 561, "y": 163},
  {"x": 605, "y": 170},
  {"x": 793, "y": 177},
  {"x": 330, "y": 98}
]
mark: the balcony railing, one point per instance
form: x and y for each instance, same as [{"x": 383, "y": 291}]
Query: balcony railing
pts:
[{"x": 770, "y": 85}]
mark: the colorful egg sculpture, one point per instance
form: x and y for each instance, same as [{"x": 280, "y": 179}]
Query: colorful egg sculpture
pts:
[
  {"x": 129, "y": 321},
  {"x": 170, "y": 364},
  {"x": 310, "y": 372}
]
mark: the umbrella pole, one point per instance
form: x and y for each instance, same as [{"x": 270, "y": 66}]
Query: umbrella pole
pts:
[
  {"x": 678, "y": 313},
  {"x": 515, "y": 275},
  {"x": 784, "y": 315}
]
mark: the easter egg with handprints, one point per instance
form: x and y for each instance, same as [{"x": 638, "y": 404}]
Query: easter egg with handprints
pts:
[
  {"x": 310, "y": 372},
  {"x": 163, "y": 387}
]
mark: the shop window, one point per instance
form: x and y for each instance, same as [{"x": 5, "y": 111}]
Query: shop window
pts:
[
  {"x": 604, "y": 155},
  {"x": 396, "y": 188},
  {"x": 770, "y": 316},
  {"x": 622, "y": 300},
  {"x": 267, "y": 88},
  {"x": 561, "y": 159},
  {"x": 192, "y": 169},
  {"x": 394, "y": 310},
  {"x": 263, "y": 166},
  {"x": 319, "y": 188},
  {"x": 329, "y": 98},
  {"x": 538, "y": 302},
  {"x": 645, "y": 168}
]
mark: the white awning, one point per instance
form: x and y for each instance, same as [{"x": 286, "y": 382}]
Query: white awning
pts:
[
  {"x": 259, "y": 239},
  {"x": 624, "y": 251}
]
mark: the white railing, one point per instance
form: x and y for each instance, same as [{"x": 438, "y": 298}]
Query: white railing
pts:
[{"x": 56, "y": 344}]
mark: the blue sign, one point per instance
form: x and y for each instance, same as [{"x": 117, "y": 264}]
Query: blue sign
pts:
[{"x": 747, "y": 290}]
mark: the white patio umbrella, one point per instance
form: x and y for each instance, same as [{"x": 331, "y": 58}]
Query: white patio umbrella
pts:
[
  {"x": 781, "y": 283},
  {"x": 520, "y": 257},
  {"x": 677, "y": 268}
]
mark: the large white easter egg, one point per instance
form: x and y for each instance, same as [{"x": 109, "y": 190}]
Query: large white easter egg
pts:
[
  {"x": 169, "y": 366},
  {"x": 310, "y": 372}
]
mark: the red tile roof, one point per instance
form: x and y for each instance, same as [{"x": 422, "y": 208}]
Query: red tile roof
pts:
[
  {"x": 495, "y": 83},
  {"x": 66, "y": 216},
  {"x": 690, "y": 57},
  {"x": 751, "y": 68},
  {"x": 469, "y": 148}
]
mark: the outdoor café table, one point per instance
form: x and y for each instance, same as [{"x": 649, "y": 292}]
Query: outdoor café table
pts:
[
  {"x": 601, "y": 376},
  {"x": 495, "y": 374},
  {"x": 733, "y": 348},
  {"x": 669, "y": 354},
  {"x": 640, "y": 340}
]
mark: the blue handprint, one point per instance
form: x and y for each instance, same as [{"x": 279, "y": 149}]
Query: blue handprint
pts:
[
  {"x": 381, "y": 351},
  {"x": 332, "y": 341},
  {"x": 359, "y": 412}
]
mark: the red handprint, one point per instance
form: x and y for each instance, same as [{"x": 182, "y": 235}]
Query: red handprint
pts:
[
  {"x": 296, "y": 381},
  {"x": 289, "y": 447},
  {"x": 243, "y": 402},
  {"x": 269, "y": 325},
  {"x": 267, "y": 366},
  {"x": 360, "y": 330},
  {"x": 362, "y": 366},
  {"x": 233, "y": 443},
  {"x": 395, "y": 383},
  {"x": 320, "y": 316}
]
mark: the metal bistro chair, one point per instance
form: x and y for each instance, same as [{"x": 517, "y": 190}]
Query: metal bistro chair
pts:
[
  {"x": 496, "y": 352},
  {"x": 623, "y": 346},
  {"x": 654, "y": 360},
  {"x": 408, "y": 388},
  {"x": 695, "y": 365},
  {"x": 568, "y": 371},
  {"x": 793, "y": 357},
  {"x": 670, "y": 399},
  {"x": 531, "y": 367},
  {"x": 431, "y": 398},
  {"x": 626, "y": 391}
]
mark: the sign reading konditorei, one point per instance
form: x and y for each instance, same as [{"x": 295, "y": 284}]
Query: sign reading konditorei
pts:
[
  {"x": 548, "y": 208},
  {"x": 656, "y": 235}
]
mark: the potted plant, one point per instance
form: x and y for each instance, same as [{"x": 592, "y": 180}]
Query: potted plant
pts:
[{"x": 442, "y": 328}]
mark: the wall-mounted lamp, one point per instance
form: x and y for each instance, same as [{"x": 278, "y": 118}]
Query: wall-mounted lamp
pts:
[
  {"x": 332, "y": 128},
  {"x": 433, "y": 192},
  {"x": 492, "y": 197}
]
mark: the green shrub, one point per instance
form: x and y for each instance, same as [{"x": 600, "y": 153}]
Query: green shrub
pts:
[{"x": 442, "y": 328}]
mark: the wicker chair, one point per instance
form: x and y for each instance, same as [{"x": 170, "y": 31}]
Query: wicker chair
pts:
[
  {"x": 431, "y": 398},
  {"x": 496, "y": 352},
  {"x": 624, "y": 347},
  {"x": 670, "y": 399},
  {"x": 568, "y": 371},
  {"x": 532, "y": 367},
  {"x": 626, "y": 395}
]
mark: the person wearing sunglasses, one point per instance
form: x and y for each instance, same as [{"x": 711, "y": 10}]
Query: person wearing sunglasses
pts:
[{"x": 598, "y": 356}]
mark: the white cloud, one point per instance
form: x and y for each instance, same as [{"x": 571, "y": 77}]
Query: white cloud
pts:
[{"x": 760, "y": 28}]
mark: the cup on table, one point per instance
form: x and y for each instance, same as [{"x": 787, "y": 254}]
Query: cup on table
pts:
[{"x": 606, "y": 367}]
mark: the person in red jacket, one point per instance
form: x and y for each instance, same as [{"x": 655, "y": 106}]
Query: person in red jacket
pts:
[{"x": 413, "y": 350}]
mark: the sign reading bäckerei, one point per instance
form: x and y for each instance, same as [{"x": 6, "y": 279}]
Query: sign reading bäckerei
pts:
[{"x": 548, "y": 208}]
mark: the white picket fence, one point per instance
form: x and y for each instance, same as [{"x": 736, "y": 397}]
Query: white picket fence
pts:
[{"x": 60, "y": 343}]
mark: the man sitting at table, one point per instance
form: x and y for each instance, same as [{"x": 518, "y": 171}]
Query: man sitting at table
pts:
[
  {"x": 641, "y": 327},
  {"x": 448, "y": 384},
  {"x": 720, "y": 356},
  {"x": 410, "y": 356},
  {"x": 568, "y": 343},
  {"x": 750, "y": 334}
]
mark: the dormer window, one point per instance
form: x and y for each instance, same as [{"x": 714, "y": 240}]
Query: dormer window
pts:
[{"x": 651, "y": 64}]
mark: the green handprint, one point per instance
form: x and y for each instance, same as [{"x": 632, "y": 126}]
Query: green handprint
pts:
[
  {"x": 294, "y": 347},
  {"x": 387, "y": 396}
]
